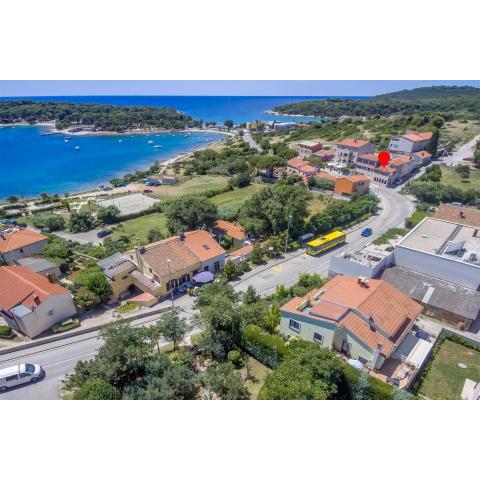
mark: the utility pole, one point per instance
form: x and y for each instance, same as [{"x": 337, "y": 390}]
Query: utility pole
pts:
[
  {"x": 288, "y": 231},
  {"x": 170, "y": 283}
]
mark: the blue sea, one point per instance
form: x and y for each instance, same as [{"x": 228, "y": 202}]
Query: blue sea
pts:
[{"x": 31, "y": 163}]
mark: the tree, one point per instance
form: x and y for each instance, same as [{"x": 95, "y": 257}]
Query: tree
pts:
[
  {"x": 49, "y": 220},
  {"x": 257, "y": 254},
  {"x": 154, "y": 235},
  {"x": 86, "y": 299},
  {"x": 108, "y": 214},
  {"x": 190, "y": 212},
  {"x": 172, "y": 327},
  {"x": 231, "y": 271},
  {"x": 95, "y": 281},
  {"x": 225, "y": 382},
  {"x": 432, "y": 144},
  {"x": 97, "y": 389},
  {"x": 267, "y": 162},
  {"x": 12, "y": 199},
  {"x": 272, "y": 318},
  {"x": 81, "y": 222},
  {"x": 250, "y": 296},
  {"x": 307, "y": 372},
  {"x": 228, "y": 123},
  {"x": 463, "y": 171},
  {"x": 241, "y": 180}
]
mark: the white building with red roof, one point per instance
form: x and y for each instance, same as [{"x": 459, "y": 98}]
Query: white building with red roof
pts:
[
  {"x": 17, "y": 243},
  {"x": 395, "y": 172},
  {"x": 347, "y": 151},
  {"x": 363, "y": 319},
  {"x": 411, "y": 142},
  {"x": 30, "y": 303},
  {"x": 299, "y": 166}
]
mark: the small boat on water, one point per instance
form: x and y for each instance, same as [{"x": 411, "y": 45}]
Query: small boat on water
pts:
[
  {"x": 77, "y": 147},
  {"x": 157, "y": 146},
  {"x": 120, "y": 140},
  {"x": 150, "y": 142},
  {"x": 66, "y": 140}
]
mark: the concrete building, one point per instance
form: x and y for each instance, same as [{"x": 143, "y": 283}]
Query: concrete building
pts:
[
  {"x": 368, "y": 262},
  {"x": 446, "y": 301},
  {"x": 174, "y": 261},
  {"x": 30, "y": 303},
  {"x": 308, "y": 148},
  {"x": 235, "y": 231},
  {"x": 395, "y": 172},
  {"x": 118, "y": 268},
  {"x": 169, "y": 180},
  {"x": 442, "y": 249},
  {"x": 17, "y": 243},
  {"x": 347, "y": 151},
  {"x": 363, "y": 319},
  {"x": 241, "y": 255},
  {"x": 411, "y": 142},
  {"x": 41, "y": 266},
  {"x": 352, "y": 184}
]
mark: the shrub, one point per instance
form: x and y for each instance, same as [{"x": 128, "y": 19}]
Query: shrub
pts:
[
  {"x": 5, "y": 331},
  {"x": 66, "y": 325},
  {"x": 266, "y": 348},
  {"x": 376, "y": 389},
  {"x": 234, "y": 356},
  {"x": 97, "y": 389}
]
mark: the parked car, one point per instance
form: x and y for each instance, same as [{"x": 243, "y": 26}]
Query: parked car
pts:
[
  {"x": 19, "y": 374},
  {"x": 103, "y": 233},
  {"x": 366, "y": 232},
  {"x": 22, "y": 225},
  {"x": 46, "y": 230},
  {"x": 147, "y": 190}
]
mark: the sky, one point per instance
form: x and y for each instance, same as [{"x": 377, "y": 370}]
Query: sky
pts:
[{"x": 18, "y": 88}]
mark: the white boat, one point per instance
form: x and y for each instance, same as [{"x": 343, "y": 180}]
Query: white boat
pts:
[
  {"x": 120, "y": 141},
  {"x": 157, "y": 146},
  {"x": 150, "y": 142},
  {"x": 77, "y": 148},
  {"x": 66, "y": 140}
]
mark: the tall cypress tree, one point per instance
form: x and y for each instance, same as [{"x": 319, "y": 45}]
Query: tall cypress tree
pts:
[{"x": 433, "y": 142}]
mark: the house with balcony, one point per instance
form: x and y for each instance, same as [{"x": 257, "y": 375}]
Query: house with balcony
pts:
[
  {"x": 308, "y": 148},
  {"x": 17, "y": 243},
  {"x": 411, "y": 142},
  {"x": 389, "y": 175},
  {"x": 347, "y": 151},
  {"x": 222, "y": 229},
  {"x": 299, "y": 166},
  {"x": 363, "y": 319}
]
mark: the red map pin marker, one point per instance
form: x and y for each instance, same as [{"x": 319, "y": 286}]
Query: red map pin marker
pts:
[{"x": 384, "y": 158}]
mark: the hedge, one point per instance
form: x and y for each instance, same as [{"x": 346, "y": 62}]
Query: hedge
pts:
[
  {"x": 66, "y": 325},
  {"x": 378, "y": 390},
  {"x": 266, "y": 348},
  {"x": 6, "y": 331}
]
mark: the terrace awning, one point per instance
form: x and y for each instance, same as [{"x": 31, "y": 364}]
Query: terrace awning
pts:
[{"x": 203, "y": 277}]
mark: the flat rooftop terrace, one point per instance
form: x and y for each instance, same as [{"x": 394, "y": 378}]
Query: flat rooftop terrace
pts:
[{"x": 444, "y": 238}]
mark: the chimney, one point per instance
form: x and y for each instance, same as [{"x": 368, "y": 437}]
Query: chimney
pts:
[
  {"x": 363, "y": 281},
  {"x": 36, "y": 299},
  {"x": 371, "y": 323},
  {"x": 376, "y": 354},
  {"x": 181, "y": 236}
]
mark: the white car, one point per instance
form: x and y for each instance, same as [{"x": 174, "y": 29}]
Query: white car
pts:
[{"x": 19, "y": 374}]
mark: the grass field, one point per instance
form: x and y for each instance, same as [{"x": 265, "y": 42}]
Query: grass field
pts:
[
  {"x": 239, "y": 195},
  {"x": 451, "y": 177},
  {"x": 258, "y": 372},
  {"x": 196, "y": 184},
  {"x": 445, "y": 379},
  {"x": 139, "y": 227},
  {"x": 318, "y": 204},
  {"x": 459, "y": 133}
]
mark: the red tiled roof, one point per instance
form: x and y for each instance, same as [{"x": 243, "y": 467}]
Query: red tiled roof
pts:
[
  {"x": 296, "y": 162},
  {"x": 400, "y": 160},
  {"x": 198, "y": 246},
  {"x": 20, "y": 285},
  {"x": 418, "y": 136},
  {"x": 308, "y": 168},
  {"x": 327, "y": 176},
  {"x": 329, "y": 310},
  {"x": 357, "y": 178},
  {"x": 19, "y": 239},
  {"x": 352, "y": 143},
  {"x": 423, "y": 154},
  {"x": 233, "y": 230},
  {"x": 241, "y": 252}
]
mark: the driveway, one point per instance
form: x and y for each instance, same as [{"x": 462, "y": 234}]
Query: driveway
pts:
[
  {"x": 464, "y": 151},
  {"x": 247, "y": 136},
  {"x": 83, "y": 238}
]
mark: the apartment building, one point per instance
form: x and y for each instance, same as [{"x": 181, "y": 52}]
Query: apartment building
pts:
[
  {"x": 347, "y": 151},
  {"x": 411, "y": 142}
]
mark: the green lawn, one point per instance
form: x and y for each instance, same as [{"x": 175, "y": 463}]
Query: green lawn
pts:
[
  {"x": 317, "y": 204},
  {"x": 451, "y": 177},
  {"x": 196, "y": 184},
  {"x": 139, "y": 227},
  {"x": 445, "y": 379},
  {"x": 258, "y": 372},
  {"x": 238, "y": 195}
]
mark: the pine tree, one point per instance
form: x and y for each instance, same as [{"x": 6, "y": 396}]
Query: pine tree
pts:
[{"x": 433, "y": 142}]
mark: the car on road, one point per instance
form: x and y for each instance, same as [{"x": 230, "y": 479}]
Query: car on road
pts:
[
  {"x": 19, "y": 374},
  {"x": 103, "y": 233},
  {"x": 366, "y": 232}
]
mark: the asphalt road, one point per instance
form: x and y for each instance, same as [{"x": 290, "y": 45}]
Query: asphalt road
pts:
[{"x": 59, "y": 358}]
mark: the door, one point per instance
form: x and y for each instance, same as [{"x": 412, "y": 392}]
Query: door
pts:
[{"x": 346, "y": 347}]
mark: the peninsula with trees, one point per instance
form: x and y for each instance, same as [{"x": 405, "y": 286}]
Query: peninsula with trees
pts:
[{"x": 94, "y": 117}]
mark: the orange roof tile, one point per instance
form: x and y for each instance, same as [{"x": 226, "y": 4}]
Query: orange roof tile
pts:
[
  {"x": 296, "y": 162},
  {"x": 198, "y": 246},
  {"x": 357, "y": 178},
  {"x": 246, "y": 250},
  {"x": 233, "y": 230},
  {"x": 19, "y": 239},
  {"x": 423, "y": 154},
  {"x": 400, "y": 160},
  {"x": 352, "y": 143},
  {"x": 418, "y": 136},
  {"x": 20, "y": 285},
  {"x": 327, "y": 176}
]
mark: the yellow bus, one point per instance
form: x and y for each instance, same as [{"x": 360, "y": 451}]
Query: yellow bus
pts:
[{"x": 326, "y": 242}]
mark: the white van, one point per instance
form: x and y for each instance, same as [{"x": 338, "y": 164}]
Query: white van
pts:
[{"x": 19, "y": 374}]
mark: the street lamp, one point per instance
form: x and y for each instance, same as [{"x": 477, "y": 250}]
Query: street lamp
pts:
[
  {"x": 170, "y": 283},
  {"x": 288, "y": 230}
]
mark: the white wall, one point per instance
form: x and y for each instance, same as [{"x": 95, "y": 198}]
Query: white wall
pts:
[
  {"x": 29, "y": 250},
  {"x": 52, "y": 310},
  {"x": 211, "y": 263}
]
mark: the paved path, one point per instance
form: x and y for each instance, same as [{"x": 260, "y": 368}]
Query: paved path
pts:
[
  {"x": 247, "y": 137},
  {"x": 464, "y": 151},
  {"x": 59, "y": 358}
]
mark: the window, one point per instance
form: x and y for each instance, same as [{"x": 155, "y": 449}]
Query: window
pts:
[
  {"x": 362, "y": 359},
  {"x": 205, "y": 268},
  {"x": 24, "y": 375},
  {"x": 50, "y": 313},
  {"x": 21, "y": 250},
  {"x": 11, "y": 378},
  {"x": 294, "y": 325},
  {"x": 206, "y": 247},
  {"x": 317, "y": 337}
]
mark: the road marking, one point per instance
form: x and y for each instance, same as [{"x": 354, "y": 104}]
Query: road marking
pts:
[
  {"x": 278, "y": 268},
  {"x": 69, "y": 360}
]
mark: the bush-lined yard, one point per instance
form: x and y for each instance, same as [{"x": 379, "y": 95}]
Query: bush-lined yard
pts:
[
  {"x": 445, "y": 379},
  {"x": 196, "y": 184},
  {"x": 139, "y": 227}
]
